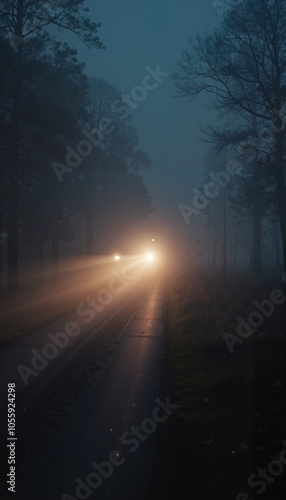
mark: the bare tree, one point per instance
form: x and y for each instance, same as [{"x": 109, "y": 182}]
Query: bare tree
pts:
[
  {"x": 246, "y": 52},
  {"x": 118, "y": 144}
]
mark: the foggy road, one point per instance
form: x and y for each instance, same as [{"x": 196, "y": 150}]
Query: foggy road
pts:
[
  {"x": 35, "y": 359},
  {"x": 142, "y": 249},
  {"x": 100, "y": 426}
]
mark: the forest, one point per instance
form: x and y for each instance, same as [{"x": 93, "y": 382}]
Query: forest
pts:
[
  {"x": 66, "y": 155},
  {"x": 241, "y": 68}
]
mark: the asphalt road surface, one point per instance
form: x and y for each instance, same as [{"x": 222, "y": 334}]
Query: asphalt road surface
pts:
[{"x": 104, "y": 447}]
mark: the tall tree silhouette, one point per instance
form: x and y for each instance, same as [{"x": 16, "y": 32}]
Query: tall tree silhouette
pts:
[
  {"x": 115, "y": 155},
  {"x": 24, "y": 23},
  {"x": 246, "y": 51}
]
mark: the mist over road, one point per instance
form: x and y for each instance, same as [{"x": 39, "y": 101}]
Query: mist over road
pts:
[{"x": 103, "y": 420}]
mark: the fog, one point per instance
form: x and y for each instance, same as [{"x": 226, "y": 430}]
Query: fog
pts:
[{"x": 156, "y": 178}]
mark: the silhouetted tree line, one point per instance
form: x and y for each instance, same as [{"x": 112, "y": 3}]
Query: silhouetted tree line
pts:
[
  {"x": 242, "y": 65},
  {"x": 48, "y": 108}
]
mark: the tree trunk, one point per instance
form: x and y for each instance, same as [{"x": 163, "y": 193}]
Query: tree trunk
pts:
[
  {"x": 209, "y": 240},
  {"x": 1, "y": 246},
  {"x": 89, "y": 231},
  {"x": 13, "y": 198},
  {"x": 235, "y": 250},
  {"x": 256, "y": 248},
  {"x": 12, "y": 229},
  {"x": 256, "y": 228},
  {"x": 214, "y": 238},
  {"x": 1, "y": 224},
  {"x": 56, "y": 256},
  {"x": 279, "y": 153},
  {"x": 13, "y": 190},
  {"x": 224, "y": 236},
  {"x": 276, "y": 241},
  {"x": 40, "y": 260}
]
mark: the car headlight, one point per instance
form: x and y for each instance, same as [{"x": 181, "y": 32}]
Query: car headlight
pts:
[{"x": 149, "y": 256}]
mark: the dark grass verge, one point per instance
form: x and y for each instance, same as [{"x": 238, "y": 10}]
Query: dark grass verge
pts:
[
  {"x": 21, "y": 315},
  {"x": 13, "y": 330},
  {"x": 231, "y": 418}
]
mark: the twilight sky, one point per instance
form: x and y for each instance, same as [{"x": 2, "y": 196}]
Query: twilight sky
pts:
[{"x": 141, "y": 33}]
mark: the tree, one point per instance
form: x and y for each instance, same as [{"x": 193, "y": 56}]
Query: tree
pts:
[
  {"x": 52, "y": 103},
  {"x": 121, "y": 209},
  {"x": 246, "y": 52},
  {"x": 115, "y": 156},
  {"x": 19, "y": 21},
  {"x": 248, "y": 195}
]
